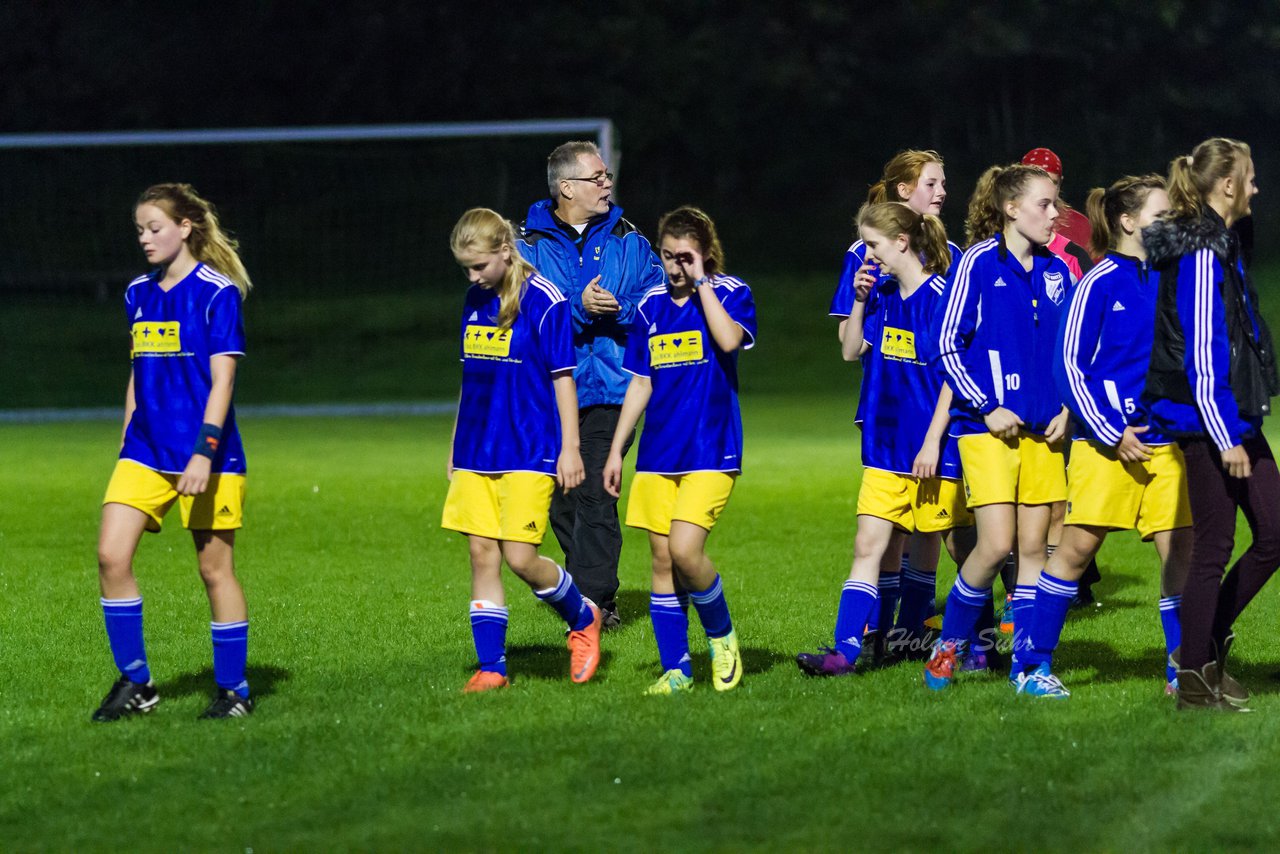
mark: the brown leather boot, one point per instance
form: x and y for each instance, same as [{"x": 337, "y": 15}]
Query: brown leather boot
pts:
[
  {"x": 1201, "y": 690},
  {"x": 1232, "y": 691}
]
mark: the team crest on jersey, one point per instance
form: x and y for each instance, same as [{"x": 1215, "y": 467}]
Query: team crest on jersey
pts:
[
  {"x": 150, "y": 336},
  {"x": 678, "y": 348},
  {"x": 486, "y": 342},
  {"x": 1053, "y": 288},
  {"x": 898, "y": 344}
]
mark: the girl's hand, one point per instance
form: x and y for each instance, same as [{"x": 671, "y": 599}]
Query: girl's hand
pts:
[
  {"x": 613, "y": 474},
  {"x": 1131, "y": 449},
  {"x": 195, "y": 477},
  {"x": 1002, "y": 423},
  {"x": 569, "y": 470},
  {"x": 1236, "y": 462},
  {"x": 864, "y": 280},
  {"x": 691, "y": 265},
  {"x": 926, "y": 462},
  {"x": 1057, "y": 429}
]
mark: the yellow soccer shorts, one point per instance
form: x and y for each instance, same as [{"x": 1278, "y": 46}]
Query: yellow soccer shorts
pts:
[
  {"x": 698, "y": 497},
  {"x": 511, "y": 506},
  {"x": 1106, "y": 492},
  {"x": 219, "y": 508},
  {"x": 929, "y": 506},
  {"x": 1023, "y": 470}
]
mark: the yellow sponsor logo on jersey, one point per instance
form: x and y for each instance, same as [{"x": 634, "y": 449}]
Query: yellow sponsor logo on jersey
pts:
[
  {"x": 674, "y": 349},
  {"x": 486, "y": 341},
  {"x": 898, "y": 343},
  {"x": 151, "y": 336}
]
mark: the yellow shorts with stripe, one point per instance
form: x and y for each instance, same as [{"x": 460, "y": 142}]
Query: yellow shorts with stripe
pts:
[
  {"x": 1106, "y": 492},
  {"x": 1023, "y": 470},
  {"x": 657, "y": 500},
  {"x": 219, "y": 508},
  {"x": 935, "y": 504},
  {"x": 511, "y": 506}
]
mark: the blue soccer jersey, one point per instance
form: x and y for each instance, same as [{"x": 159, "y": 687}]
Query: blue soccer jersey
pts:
[
  {"x": 507, "y": 416},
  {"x": 842, "y": 300},
  {"x": 692, "y": 422},
  {"x": 1104, "y": 348},
  {"x": 175, "y": 333},
  {"x": 900, "y": 383}
]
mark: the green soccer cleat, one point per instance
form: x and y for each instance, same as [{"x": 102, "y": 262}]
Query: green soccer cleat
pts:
[
  {"x": 669, "y": 683},
  {"x": 726, "y": 662}
]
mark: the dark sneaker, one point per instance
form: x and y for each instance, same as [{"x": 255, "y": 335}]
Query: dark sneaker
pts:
[
  {"x": 609, "y": 617},
  {"x": 825, "y": 662},
  {"x": 228, "y": 704},
  {"x": 126, "y": 698}
]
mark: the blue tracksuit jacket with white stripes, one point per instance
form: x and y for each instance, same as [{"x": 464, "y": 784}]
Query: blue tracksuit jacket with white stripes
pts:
[
  {"x": 996, "y": 333},
  {"x": 1104, "y": 347}
]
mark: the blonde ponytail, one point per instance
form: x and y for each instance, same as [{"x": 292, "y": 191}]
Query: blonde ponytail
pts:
[{"x": 207, "y": 242}]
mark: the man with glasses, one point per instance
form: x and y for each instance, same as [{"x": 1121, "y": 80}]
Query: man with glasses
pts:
[{"x": 578, "y": 239}]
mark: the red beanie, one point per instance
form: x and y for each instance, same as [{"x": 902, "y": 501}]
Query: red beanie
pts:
[{"x": 1045, "y": 159}]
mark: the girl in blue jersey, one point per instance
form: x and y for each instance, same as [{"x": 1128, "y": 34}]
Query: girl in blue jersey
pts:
[
  {"x": 996, "y": 338},
  {"x": 1210, "y": 383},
  {"x": 1122, "y": 475},
  {"x": 180, "y": 441},
  {"x": 683, "y": 354},
  {"x": 917, "y": 179},
  {"x": 515, "y": 438},
  {"x": 911, "y": 471}
]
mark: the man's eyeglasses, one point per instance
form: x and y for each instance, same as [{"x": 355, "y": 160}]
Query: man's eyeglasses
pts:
[{"x": 599, "y": 180}]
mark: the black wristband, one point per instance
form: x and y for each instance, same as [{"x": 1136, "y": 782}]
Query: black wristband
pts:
[{"x": 208, "y": 441}]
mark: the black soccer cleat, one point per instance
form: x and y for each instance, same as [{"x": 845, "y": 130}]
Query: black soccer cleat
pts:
[
  {"x": 126, "y": 698},
  {"x": 228, "y": 704}
]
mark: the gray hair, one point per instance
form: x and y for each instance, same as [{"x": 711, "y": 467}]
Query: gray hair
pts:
[{"x": 563, "y": 162}]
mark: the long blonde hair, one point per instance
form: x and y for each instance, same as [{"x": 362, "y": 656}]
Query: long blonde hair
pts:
[
  {"x": 903, "y": 168},
  {"x": 1193, "y": 176},
  {"x": 998, "y": 186},
  {"x": 482, "y": 230},
  {"x": 925, "y": 232},
  {"x": 207, "y": 241}
]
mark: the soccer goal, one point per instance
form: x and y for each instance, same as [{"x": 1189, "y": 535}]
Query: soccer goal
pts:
[{"x": 317, "y": 209}]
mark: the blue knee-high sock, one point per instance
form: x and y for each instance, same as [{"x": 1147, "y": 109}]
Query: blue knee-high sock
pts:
[
  {"x": 1048, "y": 614},
  {"x": 964, "y": 606},
  {"x": 984, "y": 635},
  {"x": 1020, "y": 608},
  {"x": 917, "y": 595},
  {"x": 230, "y": 652},
  {"x": 124, "y": 633},
  {"x": 489, "y": 631},
  {"x": 1172, "y": 626},
  {"x": 857, "y": 602},
  {"x": 890, "y": 589},
  {"x": 567, "y": 601},
  {"x": 712, "y": 609},
  {"x": 671, "y": 631}
]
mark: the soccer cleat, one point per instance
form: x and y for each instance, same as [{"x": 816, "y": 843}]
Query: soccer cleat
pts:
[
  {"x": 1040, "y": 683},
  {"x": 126, "y": 698},
  {"x": 726, "y": 662},
  {"x": 485, "y": 680},
  {"x": 1006, "y": 616},
  {"x": 975, "y": 662},
  {"x": 825, "y": 662},
  {"x": 1171, "y": 687},
  {"x": 671, "y": 682},
  {"x": 584, "y": 648},
  {"x": 610, "y": 619},
  {"x": 227, "y": 704},
  {"x": 941, "y": 668}
]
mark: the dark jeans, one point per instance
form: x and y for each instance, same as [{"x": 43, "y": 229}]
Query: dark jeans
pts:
[
  {"x": 586, "y": 520},
  {"x": 1210, "y": 602}
]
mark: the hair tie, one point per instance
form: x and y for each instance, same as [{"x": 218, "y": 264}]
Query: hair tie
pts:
[{"x": 1190, "y": 160}]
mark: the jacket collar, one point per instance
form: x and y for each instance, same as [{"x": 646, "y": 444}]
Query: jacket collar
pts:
[{"x": 542, "y": 217}]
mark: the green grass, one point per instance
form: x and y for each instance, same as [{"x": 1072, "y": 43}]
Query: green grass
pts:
[{"x": 360, "y": 645}]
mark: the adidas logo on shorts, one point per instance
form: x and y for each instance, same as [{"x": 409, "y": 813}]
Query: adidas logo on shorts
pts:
[
  {"x": 943, "y": 514},
  {"x": 532, "y": 527},
  {"x": 224, "y": 510}
]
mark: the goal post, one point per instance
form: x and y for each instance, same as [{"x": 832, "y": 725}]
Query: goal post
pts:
[{"x": 320, "y": 209}]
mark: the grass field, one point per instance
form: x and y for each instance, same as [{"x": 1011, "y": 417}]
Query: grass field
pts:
[{"x": 360, "y": 644}]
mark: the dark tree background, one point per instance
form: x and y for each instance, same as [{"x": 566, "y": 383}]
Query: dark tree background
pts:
[{"x": 773, "y": 116}]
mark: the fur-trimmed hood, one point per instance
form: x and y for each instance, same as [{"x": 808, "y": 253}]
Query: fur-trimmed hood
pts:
[{"x": 1169, "y": 239}]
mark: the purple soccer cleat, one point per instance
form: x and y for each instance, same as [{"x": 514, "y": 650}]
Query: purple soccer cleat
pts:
[{"x": 825, "y": 662}]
